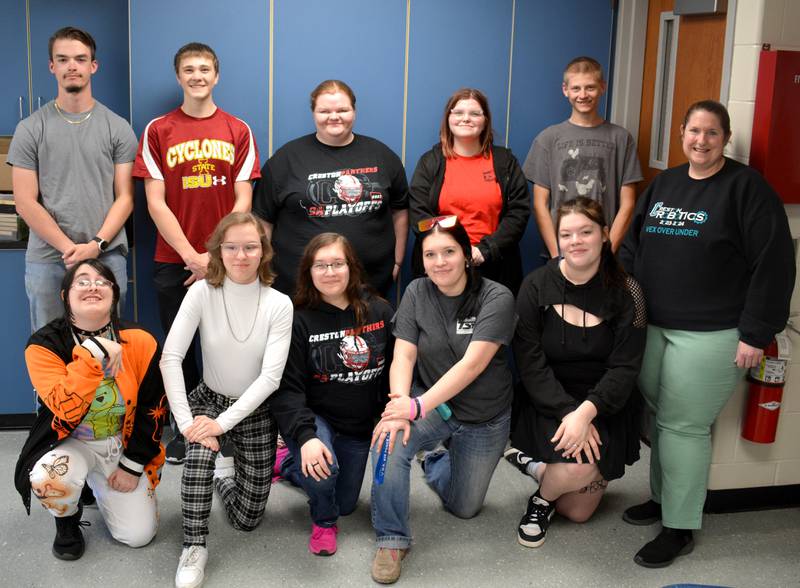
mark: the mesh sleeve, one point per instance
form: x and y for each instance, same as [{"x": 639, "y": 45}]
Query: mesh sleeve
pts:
[{"x": 640, "y": 308}]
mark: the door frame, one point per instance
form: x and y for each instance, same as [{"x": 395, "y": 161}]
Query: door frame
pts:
[{"x": 626, "y": 103}]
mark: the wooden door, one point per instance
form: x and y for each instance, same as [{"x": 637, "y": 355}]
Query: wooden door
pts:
[{"x": 698, "y": 75}]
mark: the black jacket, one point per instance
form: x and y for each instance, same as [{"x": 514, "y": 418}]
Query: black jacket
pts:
[{"x": 500, "y": 249}]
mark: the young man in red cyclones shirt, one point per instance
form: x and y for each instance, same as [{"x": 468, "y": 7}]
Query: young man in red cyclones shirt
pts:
[{"x": 197, "y": 163}]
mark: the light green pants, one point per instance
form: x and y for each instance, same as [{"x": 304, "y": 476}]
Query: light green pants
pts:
[{"x": 686, "y": 379}]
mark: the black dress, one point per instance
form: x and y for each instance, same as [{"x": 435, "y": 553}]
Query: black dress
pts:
[{"x": 562, "y": 365}]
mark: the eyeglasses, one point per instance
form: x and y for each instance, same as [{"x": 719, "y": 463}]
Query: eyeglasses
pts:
[
  {"x": 85, "y": 284},
  {"x": 320, "y": 267},
  {"x": 466, "y": 113},
  {"x": 250, "y": 249},
  {"x": 446, "y": 222}
]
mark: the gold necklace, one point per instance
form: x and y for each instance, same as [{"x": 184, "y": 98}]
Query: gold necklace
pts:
[{"x": 72, "y": 122}]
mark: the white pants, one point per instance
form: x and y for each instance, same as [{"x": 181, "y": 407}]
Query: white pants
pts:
[{"x": 58, "y": 477}]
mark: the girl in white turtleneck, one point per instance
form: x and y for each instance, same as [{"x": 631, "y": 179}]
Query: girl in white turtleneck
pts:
[{"x": 245, "y": 330}]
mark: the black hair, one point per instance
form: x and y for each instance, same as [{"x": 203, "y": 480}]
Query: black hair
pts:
[
  {"x": 106, "y": 274},
  {"x": 469, "y": 305}
]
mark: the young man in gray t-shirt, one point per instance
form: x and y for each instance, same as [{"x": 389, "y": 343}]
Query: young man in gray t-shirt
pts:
[
  {"x": 72, "y": 182},
  {"x": 583, "y": 156}
]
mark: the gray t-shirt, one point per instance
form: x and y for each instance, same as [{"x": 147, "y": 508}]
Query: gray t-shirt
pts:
[
  {"x": 75, "y": 167},
  {"x": 427, "y": 318},
  {"x": 570, "y": 160}
]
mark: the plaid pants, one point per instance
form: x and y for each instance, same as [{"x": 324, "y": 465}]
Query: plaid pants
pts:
[{"x": 245, "y": 494}]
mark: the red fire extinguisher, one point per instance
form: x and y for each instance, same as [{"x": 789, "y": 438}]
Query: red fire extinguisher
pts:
[{"x": 765, "y": 394}]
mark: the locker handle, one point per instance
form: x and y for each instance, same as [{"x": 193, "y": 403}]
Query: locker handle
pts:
[{"x": 20, "y": 108}]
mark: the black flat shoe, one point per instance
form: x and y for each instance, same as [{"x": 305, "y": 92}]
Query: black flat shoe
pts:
[
  {"x": 646, "y": 513},
  {"x": 664, "y": 549}
]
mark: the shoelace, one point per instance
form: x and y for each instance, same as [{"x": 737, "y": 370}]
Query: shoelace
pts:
[
  {"x": 192, "y": 556},
  {"x": 70, "y": 531},
  {"x": 539, "y": 512}
]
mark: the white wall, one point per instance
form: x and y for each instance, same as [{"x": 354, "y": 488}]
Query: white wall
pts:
[{"x": 737, "y": 463}]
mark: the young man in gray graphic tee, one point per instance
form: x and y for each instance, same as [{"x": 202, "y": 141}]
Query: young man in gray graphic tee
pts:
[
  {"x": 72, "y": 183},
  {"x": 583, "y": 156}
]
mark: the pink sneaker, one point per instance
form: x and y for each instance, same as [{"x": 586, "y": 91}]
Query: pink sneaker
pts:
[
  {"x": 323, "y": 540},
  {"x": 280, "y": 455}
]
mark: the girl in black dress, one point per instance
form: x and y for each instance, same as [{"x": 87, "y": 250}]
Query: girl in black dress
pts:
[{"x": 579, "y": 345}]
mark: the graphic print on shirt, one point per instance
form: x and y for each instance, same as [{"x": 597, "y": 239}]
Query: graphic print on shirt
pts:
[
  {"x": 105, "y": 415},
  {"x": 466, "y": 326},
  {"x": 347, "y": 192},
  {"x": 582, "y": 174},
  {"x": 203, "y": 174},
  {"x": 348, "y": 357},
  {"x": 675, "y": 222}
]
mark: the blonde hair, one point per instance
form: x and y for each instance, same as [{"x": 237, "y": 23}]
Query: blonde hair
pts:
[{"x": 584, "y": 65}]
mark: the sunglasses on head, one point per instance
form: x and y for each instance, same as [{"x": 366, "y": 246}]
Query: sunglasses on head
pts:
[{"x": 446, "y": 222}]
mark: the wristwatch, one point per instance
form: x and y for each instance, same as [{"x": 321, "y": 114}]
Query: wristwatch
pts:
[{"x": 101, "y": 243}]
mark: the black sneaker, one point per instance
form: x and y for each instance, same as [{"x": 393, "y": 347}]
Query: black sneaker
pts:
[
  {"x": 69, "y": 544},
  {"x": 518, "y": 459},
  {"x": 664, "y": 549},
  {"x": 176, "y": 450},
  {"x": 227, "y": 450},
  {"x": 532, "y": 528},
  {"x": 646, "y": 513},
  {"x": 87, "y": 497}
]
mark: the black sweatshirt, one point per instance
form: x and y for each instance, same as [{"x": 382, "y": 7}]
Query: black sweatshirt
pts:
[
  {"x": 334, "y": 373},
  {"x": 713, "y": 254}
]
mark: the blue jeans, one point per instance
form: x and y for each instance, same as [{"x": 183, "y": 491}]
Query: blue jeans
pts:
[
  {"x": 43, "y": 286},
  {"x": 460, "y": 475},
  {"x": 338, "y": 493}
]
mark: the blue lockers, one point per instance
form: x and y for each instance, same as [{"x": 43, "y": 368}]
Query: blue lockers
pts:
[
  {"x": 513, "y": 50},
  {"x": 14, "y": 99}
]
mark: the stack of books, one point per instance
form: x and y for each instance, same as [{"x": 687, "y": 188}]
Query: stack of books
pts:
[{"x": 9, "y": 223}]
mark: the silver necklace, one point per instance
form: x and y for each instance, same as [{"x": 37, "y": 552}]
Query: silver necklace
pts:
[{"x": 228, "y": 319}]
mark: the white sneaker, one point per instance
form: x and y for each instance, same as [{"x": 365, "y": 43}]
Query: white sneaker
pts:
[
  {"x": 224, "y": 467},
  {"x": 191, "y": 567}
]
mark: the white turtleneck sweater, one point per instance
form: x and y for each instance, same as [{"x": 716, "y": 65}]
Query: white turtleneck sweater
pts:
[{"x": 249, "y": 371}]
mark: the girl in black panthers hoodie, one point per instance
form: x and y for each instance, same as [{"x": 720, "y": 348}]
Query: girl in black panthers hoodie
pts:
[{"x": 334, "y": 385}]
